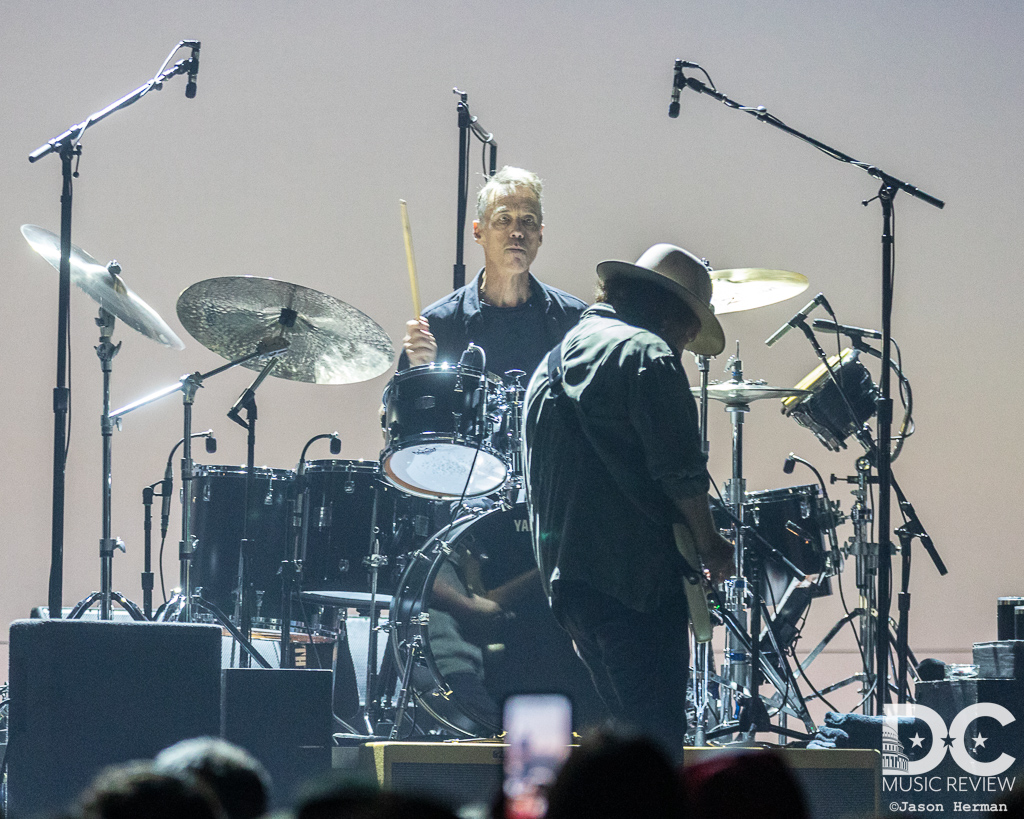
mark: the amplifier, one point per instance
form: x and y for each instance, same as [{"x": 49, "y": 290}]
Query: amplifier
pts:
[{"x": 837, "y": 783}]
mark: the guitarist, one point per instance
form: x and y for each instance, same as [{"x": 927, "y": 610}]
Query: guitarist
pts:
[{"x": 617, "y": 483}]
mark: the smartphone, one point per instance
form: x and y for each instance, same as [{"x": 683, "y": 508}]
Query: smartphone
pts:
[{"x": 538, "y": 730}]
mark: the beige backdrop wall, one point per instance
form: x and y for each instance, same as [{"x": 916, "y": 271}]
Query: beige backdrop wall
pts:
[{"x": 313, "y": 119}]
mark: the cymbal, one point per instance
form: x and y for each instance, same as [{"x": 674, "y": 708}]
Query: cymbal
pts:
[
  {"x": 103, "y": 286},
  {"x": 329, "y": 341},
  {"x": 743, "y": 392},
  {"x": 747, "y": 288}
]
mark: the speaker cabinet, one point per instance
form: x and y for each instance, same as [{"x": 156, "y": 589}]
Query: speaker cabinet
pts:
[
  {"x": 282, "y": 716},
  {"x": 85, "y": 695}
]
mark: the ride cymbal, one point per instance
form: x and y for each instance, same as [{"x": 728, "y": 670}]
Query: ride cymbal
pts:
[{"x": 329, "y": 341}]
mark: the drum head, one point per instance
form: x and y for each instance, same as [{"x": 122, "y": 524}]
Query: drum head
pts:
[{"x": 440, "y": 470}]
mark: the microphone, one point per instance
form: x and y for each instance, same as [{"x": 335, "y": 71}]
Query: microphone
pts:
[
  {"x": 797, "y": 319},
  {"x": 168, "y": 482},
  {"x": 193, "y": 69},
  {"x": 845, "y": 329},
  {"x": 165, "y": 506},
  {"x": 789, "y": 464},
  {"x": 472, "y": 357},
  {"x": 677, "y": 86},
  {"x": 335, "y": 443}
]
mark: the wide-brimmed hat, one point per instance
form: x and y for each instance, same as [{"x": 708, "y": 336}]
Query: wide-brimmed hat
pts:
[{"x": 682, "y": 274}]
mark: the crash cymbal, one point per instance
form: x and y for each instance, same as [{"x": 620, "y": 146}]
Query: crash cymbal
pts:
[
  {"x": 103, "y": 286},
  {"x": 743, "y": 392},
  {"x": 329, "y": 341},
  {"x": 747, "y": 288}
]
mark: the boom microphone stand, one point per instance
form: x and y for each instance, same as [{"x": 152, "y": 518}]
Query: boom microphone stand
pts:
[
  {"x": 886, "y": 194},
  {"x": 467, "y": 124},
  {"x": 68, "y": 146}
]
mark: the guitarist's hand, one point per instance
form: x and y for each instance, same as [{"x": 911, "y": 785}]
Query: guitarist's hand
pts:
[
  {"x": 718, "y": 554},
  {"x": 483, "y": 608}
]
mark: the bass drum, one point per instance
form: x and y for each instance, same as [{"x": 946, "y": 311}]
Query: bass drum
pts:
[{"x": 468, "y": 654}]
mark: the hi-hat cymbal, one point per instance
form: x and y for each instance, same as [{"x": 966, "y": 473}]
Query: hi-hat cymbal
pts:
[
  {"x": 747, "y": 288},
  {"x": 103, "y": 286},
  {"x": 329, "y": 341},
  {"x": 743, "y": 392}
]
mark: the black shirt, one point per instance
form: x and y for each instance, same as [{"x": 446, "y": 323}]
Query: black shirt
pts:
[{"x": 606, "y": 459}]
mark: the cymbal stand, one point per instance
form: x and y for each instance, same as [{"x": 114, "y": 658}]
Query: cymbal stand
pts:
[
  {"x": 700, "y": 653},
  {"x": 736, "y": 661},
  {"x": 247, "y": 401},
  {"x": 106, "y": 350}
]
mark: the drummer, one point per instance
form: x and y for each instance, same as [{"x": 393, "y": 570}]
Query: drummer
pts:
[
  {"x": 515, "y": 319},
  {"x": 505, "y": 310}
]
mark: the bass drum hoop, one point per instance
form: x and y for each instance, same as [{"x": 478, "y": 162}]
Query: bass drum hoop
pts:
[{"x": 406, "y": 619}]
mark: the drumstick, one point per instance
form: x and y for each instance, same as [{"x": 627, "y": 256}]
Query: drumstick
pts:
[{"x": 410, "y": 260}]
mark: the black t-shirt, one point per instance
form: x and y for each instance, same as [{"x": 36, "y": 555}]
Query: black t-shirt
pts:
[{"x": 513, "y": 337}]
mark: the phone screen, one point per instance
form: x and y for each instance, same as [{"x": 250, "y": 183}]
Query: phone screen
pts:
[{"x": 538, "y": 730}]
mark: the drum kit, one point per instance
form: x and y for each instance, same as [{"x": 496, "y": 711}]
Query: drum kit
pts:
[{"x": 436, "y": 531}]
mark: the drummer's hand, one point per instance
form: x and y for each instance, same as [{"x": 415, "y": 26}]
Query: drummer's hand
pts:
[
  {"x": 718, "y": 558},
  {"x": 419, "y": 345}
]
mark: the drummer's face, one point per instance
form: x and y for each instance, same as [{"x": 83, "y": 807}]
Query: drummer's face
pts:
[{"x": 511, "y": 232}]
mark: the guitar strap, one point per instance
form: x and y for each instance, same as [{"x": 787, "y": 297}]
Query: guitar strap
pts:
[{"x": 696, "y": 596}]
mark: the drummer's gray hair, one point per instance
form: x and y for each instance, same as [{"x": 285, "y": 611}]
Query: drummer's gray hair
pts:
[{"x": 503, "y": 183}]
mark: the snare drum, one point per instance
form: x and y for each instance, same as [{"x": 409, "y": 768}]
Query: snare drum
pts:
[
  {"x": 218, "y": 494},
  {"x": 444, "y": 430}
]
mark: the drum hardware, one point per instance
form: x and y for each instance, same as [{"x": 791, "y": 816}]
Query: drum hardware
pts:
[
  {"x": 881, "y": 457},
  {"x": 180, "y": 606},
  {"x": 743, "y": 665},
  {"x": 166, "y": 493}
]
